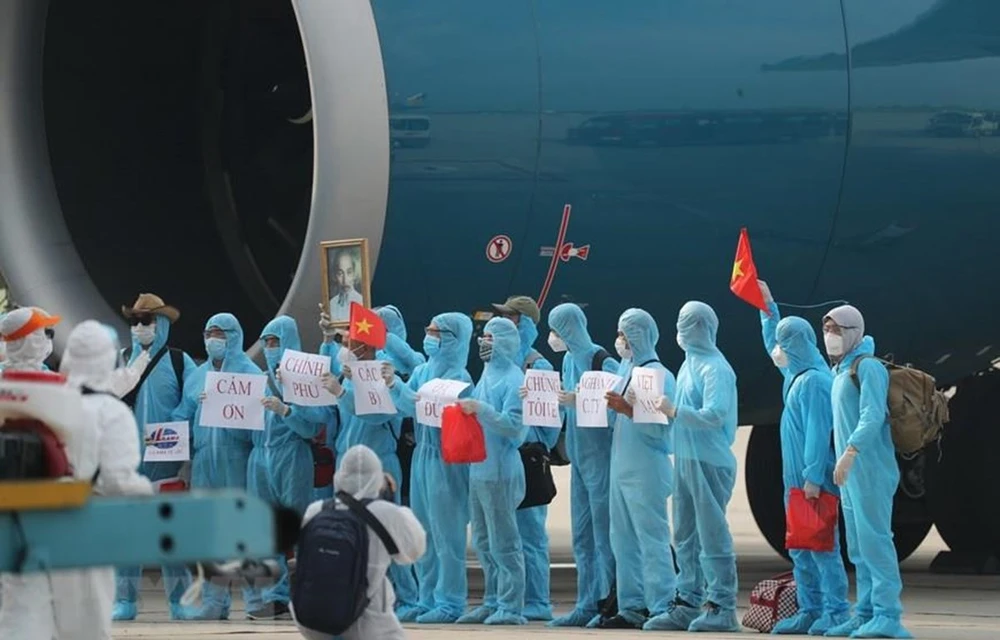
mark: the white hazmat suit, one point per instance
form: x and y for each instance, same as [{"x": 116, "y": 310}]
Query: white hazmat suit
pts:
[{"x": 361, "y": 475}]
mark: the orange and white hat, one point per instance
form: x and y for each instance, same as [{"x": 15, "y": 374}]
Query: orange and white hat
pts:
[{"x": 22, "y": 322}]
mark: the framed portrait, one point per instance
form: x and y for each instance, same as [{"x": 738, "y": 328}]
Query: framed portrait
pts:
[{"x": 346, "y": 277}]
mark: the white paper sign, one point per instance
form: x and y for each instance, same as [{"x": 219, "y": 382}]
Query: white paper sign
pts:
[
  {"x": 300, "y": 374},
  {"x": 647, "y": 383},
  {"x": 233, "y": 400},
  {"x": 435, "y": 395},
  {"x": 370, "y": 393},
  {"x": 591, "y": 405},
  {"x": 167, "y": 442},
  {"x": 541, "y": 406}
]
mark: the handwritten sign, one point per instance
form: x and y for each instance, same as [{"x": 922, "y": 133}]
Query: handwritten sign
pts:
[
  {"x": 232, "y": 400},
  {"x": 300, "y": 374},
  {"x": 591, "y": 405},
  {"x": 370, "y": 393},
  {"x": 167, "y": 442},
  {"x": 434, "y": 396},
  {"x": 540, "y": 407},
  {"x": 647, "y": 382}
]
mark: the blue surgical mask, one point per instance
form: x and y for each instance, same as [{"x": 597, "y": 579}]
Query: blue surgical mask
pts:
[
  {"x": 273, "y": 356},
  {"x": 215, "y": 348},
  {"x": 432, "y": 346}
]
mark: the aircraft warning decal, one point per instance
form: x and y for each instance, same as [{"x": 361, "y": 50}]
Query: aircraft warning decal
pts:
[{"x": 498, "y": 248}]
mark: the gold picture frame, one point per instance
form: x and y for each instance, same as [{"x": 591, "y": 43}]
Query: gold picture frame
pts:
[{"x": 337, "y": 273}]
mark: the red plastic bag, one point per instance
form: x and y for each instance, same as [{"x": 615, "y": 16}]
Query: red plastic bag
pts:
[
  {"x": 462, "y": 438},
  {"x": 811, "y": 524}
]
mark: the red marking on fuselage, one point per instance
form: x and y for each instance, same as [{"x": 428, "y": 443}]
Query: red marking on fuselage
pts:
[{"x": 554, "y": 264}]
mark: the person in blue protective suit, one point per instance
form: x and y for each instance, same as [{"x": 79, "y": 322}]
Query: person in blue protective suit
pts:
[
  {"x": 807, "y": 464},
  {"x": 641, "y": 482},
  {"x": 440, "y": 492},
  {"x": 153, "y": 402},
  {"x": 380, "y": 433},
  {"x": 589, "y": 452},
  {"x": 397, "y": 352},
  {"x": 280, "y": 469},
  {"x": 867, "y": 472},
  {"x": 496, "y": 485},
  {"x": 703, "y": 418},
  {"x": 524, "y": 312},
  {"x": 219, "y": 456}
]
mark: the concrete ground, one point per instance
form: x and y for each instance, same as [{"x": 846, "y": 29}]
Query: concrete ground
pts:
[{"x": 944, "y": 607}]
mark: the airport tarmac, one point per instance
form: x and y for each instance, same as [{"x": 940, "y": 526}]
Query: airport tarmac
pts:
[{"x": 937, "y": 607}]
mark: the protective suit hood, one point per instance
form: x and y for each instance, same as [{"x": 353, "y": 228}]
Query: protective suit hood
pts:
[
  {"x": 697, "y": 327},
  {"x": 527, "y": 331},
  {"x": 851, "y": 323},
  {"x": 570, "y": 323},
  {"x": 90, "y": 356},
  {"x": 506, "y": 344},
  {"x": 286, "y": 330},
  {"x": 797, "y": 339},
  {"x": 642, "y": 334},
  {"x": 393, "y": 319},
  {"x": 360, "y": 473},
  {"x": 235, "y": 359},
  {"x": 452, "y": 358}
]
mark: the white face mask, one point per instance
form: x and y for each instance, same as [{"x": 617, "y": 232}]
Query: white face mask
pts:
[
  {"x": 680, "y": 342},
  {"x": 145, "y": 334},
  {"x": 834, "y": 344},
  {"x": 779, "y": 357},
  {"x": 556, "y": 343},
  {"x": 621, "y": 346},
  {"x": 345, "y": 355}
]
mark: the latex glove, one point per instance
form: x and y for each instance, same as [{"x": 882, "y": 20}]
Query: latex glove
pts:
[
  {"x": 201, "y": 398},
  {"x": 666, "y": 407},
  {"x": 844, "y": 466},
  {"x": 277, "y": 375},
  {"x": 469, "y": 406},
  {"x": 765, "y": 291},
  {"x": 331, "y": 384},
  {"x": 811, "y": 490},
  {"x": 388, "y": 374},
  {"x": 346, "y": 370},
  {"x": 272, "y": 403},
  {"x": 567, "y": 398},
  {"x": 522, "y": 392},
  {"x": 630, "y": 397},
  {"x": 325, "y": 323}
]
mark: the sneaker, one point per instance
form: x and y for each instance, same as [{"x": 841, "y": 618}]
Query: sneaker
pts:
[{"x": 271, "y": 611}]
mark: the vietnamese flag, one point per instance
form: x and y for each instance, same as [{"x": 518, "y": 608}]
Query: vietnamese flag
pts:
[
  {"x": 744, "y": 280},
  {"x": 366, "y": 327}
]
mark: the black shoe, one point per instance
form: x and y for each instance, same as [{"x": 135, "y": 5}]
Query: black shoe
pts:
[
  {"x": 618, "y": 622},
  {"x": 271, "y": 611}
]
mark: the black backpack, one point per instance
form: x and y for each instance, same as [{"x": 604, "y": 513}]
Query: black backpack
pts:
[
  {"x": 330, "y": 583},
  {"x": 558, "y": 456}
]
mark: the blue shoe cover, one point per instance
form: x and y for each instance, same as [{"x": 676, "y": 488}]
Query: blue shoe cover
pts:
[
  {"x": 180, "y": 612},
  {"x": 124, "y": 610},
  {"x": 882, "y": 627},
  {"x": 595, "y": 622},
  {"x": 575, "y": 618},
  {"x": 717, "y": 620},
  {"x": 845, "y": 629},
  {"x": 476, "y": 616},
  {"x": 208, "y": 613},
  {"x": 677, "y": 618},
  {"x": 797, "y": 625},
  {"x": 826, "y": 622},
  {"x": 437, "y": 616},
  {"x": 538, "y": 612},
  {"x": 408, "y": 613},
  {"x": 502, "y": 617}
]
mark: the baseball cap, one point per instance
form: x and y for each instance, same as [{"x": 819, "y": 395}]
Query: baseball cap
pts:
[
  {"x": 21, "y": 322},
  {"x": 519, "y": 304}
]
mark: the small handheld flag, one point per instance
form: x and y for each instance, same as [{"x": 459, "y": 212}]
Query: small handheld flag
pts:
[
  {"x": 366, "y": 327},
  {"x": 744, "y": 279}
]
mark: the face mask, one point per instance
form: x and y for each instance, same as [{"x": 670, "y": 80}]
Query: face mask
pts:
[
  {"x": 834, "y": 344},
  {"x": 779, "y": 357},
  {"x": 144, "y": 334},
  {"x": 345, "y": 355},
  {"x": 681, "y": 343},
  {"x": 556, "y": 343},
  {"x": 624, "y": 352},
  {"x": 485, "y": 350},
  {"x": 431, "y": 346},
  {"x": 216, "y": 348},
  {"x": 272, "y": 355}
]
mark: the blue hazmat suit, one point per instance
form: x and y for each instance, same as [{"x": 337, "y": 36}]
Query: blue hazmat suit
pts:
[
  {"x": 704, "y": 429},
  {"x": 589, "y": 452},
  {"x": 531, "y": 522},
  {"x": 380, "y": 433},
  {"x": 860, "y": 420},
  {"x": 496, "y": 485},
  {"x": 807, "y": 456},
  {"x": 439, "y": 493},
  {"x": 280, "y": 469},
  {"x": 157, "y": 398},
  {"x": 219, "y": 456},
  {"x": 402, "y": 356},
  {"x": 641, "y": 482}
]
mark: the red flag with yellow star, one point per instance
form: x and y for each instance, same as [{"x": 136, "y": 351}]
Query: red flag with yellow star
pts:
[
  {"x": 366, "y": 327},
  {"x": 744, "y": 279}
]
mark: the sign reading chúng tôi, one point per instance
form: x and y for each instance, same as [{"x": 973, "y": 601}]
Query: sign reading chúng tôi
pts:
[{"x": 540, "y": 408}]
